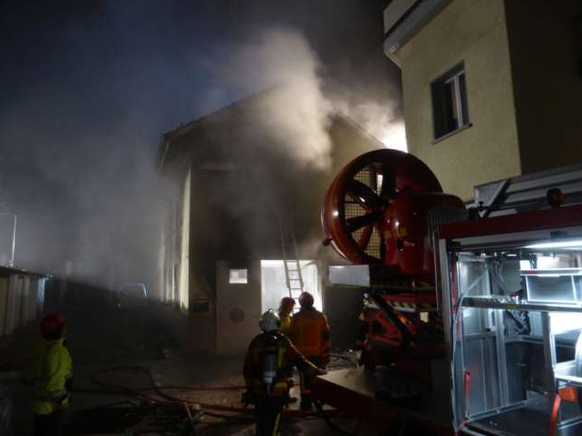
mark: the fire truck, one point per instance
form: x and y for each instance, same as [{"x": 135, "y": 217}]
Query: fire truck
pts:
[{"x": 473, "y": 312}]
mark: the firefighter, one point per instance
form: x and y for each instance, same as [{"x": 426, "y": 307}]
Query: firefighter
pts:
[
  {"x": 268, "y": 360},
  {"x": 286, "y": 314},
  {"x": 310, "y": 334},
  {"x": 53, "y": 369}
]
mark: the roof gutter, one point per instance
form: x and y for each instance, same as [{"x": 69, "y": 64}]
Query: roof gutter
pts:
[{"x": 405, "y": 18}]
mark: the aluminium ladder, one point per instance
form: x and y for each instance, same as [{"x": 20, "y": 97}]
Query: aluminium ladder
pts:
[{"x": 293, "y": 275}]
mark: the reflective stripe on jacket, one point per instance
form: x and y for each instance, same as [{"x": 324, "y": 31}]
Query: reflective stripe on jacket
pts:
[
  {"x": 287, "y": 356},
  {"x": 310, "y": 333},
  {"x": 53, "y": 367}
]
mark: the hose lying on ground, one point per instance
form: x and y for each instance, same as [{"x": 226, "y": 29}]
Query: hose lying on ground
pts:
[{"x": 168, "y": 399}]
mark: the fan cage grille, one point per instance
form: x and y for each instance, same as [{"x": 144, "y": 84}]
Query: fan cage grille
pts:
[{"x": 369, "y": 177}]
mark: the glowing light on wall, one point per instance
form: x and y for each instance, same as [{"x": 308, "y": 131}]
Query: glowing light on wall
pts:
[
  {"x": 393, "y": 136},
  {"x": 184, "y": 283}
]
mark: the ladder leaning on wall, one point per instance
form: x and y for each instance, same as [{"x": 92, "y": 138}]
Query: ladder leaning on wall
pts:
[{"x": 293, "y": 275}]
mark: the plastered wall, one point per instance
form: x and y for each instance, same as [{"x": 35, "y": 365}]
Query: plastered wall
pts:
[{"x": 472, "y": 31}]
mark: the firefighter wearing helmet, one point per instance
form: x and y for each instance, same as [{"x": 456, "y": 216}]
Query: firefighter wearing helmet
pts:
[
  {"x": 286, "y": 314},
  {"x": 269, "y": 358},
  {"x": 53, "y": 370},
  {"x": 310, "y": 334}
]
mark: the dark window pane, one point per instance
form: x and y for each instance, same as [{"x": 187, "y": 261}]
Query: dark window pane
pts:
[{"x": 449, "y": 102}]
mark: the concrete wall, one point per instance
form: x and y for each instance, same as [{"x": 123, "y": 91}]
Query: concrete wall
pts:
[
  {"x": 194, "y": 334},
  {"x": 473, "y": 31},
  {"x": 545, "y": 40}
]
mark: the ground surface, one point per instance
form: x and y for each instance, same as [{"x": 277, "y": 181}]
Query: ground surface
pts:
[{"x": 118, "y": 355}]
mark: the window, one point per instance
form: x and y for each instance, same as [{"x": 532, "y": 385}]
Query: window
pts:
[
  {"x": 238, "y": 276},
  {"x": 449, "y": 102}
]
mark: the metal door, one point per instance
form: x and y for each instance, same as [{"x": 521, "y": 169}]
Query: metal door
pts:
[{"x": 238, "y": 306}]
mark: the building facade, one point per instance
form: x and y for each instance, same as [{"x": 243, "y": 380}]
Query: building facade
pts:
[
  {"x": 237, "y": 194},
  {"x": 492, "y": 88}
]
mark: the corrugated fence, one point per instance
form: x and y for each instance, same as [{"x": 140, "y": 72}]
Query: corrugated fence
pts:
[{"x": 21, "y": 298}]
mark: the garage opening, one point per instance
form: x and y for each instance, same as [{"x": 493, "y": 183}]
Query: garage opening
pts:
[{"x": 274, "y": 285}]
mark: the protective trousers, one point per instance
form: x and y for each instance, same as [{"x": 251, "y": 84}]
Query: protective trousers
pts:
[
  {"x": 307, "y": 383},
  {"x": 268, "y": 415},
  {"x": 50, "y": 424}
]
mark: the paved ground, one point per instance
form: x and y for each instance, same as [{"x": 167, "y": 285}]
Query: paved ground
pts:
[{"x": 111, "y": 347}]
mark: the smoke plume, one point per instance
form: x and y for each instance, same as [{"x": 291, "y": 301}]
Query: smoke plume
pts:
[
  {"x": 295, "y": 112},
  {"x": 83, "y": 108},
  {"x": 379, "y": 120}
]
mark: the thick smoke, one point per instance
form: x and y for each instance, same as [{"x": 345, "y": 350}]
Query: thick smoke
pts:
[
  {"x": 85, "y": 194},
  {"x": 79, "y": 126},
  {"x": 78, "y": 137},
  {"x": 382, "y": 121},
  {"x": 295, "y": 112},
  {"x": 298, "y": 110},
  {"x": 291, "y": 116}
]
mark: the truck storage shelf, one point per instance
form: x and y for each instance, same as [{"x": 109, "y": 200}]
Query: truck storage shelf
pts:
[{"x": 495, "y": 303}]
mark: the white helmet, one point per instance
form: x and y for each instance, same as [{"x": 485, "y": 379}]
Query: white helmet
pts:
[{"x": 269, "y": 321}]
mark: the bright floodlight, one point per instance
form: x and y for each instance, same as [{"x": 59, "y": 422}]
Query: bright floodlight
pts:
[{"x": 577, "y": 243}]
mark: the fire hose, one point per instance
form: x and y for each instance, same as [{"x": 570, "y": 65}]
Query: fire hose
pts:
[
  {"x": 213, "y": 410},
  {"x": 555, "y": 414}
]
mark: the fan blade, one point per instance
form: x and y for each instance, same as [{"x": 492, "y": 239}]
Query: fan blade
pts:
[
  {"x": 374, "y": 177},
  {"x": 356, "y": 223},
  {"x": 388, "y": 189},
  {"x": 364, "y": 239},
  {"x": 382, "y": 244},
  {"x": 363, "y": 194}
]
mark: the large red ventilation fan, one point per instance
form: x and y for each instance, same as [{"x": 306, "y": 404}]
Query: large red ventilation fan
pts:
[{"x": 383, "y": 209}]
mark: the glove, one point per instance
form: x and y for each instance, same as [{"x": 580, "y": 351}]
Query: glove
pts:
[{"x": 64, "y": 404}]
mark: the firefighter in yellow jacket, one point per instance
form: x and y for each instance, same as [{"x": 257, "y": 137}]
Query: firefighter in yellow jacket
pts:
[
  {"x": 286, "y": 314},
  {"x": 268, "y": 360},
  {"x": 310, "y": 334},
  {"x": 53, "y": 369}
]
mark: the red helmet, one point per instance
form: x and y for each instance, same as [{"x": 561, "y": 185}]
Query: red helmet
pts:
[
  {"x": 52, "y": 326},
  {"x": 306, "y": 300},
  {"x": 287, "y": 303}
]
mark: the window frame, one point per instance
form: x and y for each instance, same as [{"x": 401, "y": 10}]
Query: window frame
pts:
[
  {"x": 238, "y": 280},
  {"x": 442, "y": 114}
]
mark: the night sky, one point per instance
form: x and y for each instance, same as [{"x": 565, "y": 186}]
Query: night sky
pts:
[{"x": 88, "y": 87}]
